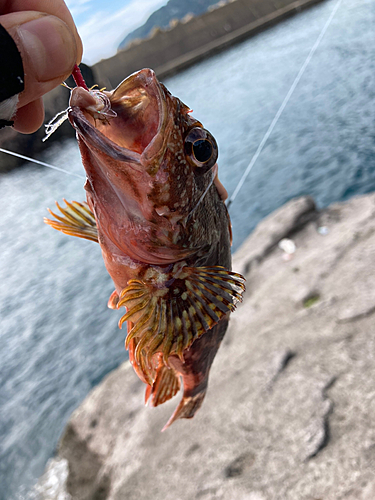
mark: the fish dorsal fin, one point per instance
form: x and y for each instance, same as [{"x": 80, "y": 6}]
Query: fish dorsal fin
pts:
[
  {"x": 77, "y": 220},
  {"x": 170, "y": 310}
]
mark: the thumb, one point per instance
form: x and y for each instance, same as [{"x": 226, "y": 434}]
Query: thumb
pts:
[{"x": 48, "y": 48}]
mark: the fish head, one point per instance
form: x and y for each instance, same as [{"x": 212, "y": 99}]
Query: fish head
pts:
[{"x": 148, "y": 163}]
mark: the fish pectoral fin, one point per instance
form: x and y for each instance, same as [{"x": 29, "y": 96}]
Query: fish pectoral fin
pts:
[
  {"x": 166, "y": 385},
  {"x": 77, "y": 220},
  {"x": 170, "y": 311}
]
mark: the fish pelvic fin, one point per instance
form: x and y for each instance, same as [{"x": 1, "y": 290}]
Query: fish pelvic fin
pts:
[
  {"x": 76, "y": 220},
  {"x": 166, "y": 385},
  {"x": 113, "y": 300},
  {"x": 187, "y": 408},
  {"x": 171, "y": 310}
]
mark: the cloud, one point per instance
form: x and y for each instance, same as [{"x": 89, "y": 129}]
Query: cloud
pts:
[
  {"x": 102, "y": 32},
  {"x": 78, "y": 7}
]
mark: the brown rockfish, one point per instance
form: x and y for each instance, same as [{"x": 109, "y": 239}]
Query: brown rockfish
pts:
[{"x": 154, "y": 207}]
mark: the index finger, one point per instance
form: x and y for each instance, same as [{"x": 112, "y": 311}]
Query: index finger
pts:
[{"x": 56, "y": 8}]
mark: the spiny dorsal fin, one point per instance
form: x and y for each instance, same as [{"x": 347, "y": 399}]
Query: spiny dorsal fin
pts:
[
  {"x": 77, "y": 220},
  {"x": 169, "y": 311}
]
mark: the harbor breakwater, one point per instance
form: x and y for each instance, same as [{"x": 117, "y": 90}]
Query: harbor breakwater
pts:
[{"x": 193, "y": 39}]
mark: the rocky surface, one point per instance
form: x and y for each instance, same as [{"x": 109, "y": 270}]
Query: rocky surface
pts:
[{"x": 289, "y": 412}]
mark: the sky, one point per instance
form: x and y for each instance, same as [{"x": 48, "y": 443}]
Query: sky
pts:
[{"x": 103, "y": 24}]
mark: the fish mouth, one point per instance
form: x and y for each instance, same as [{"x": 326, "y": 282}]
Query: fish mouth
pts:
[{"x": 134, "y": 132}]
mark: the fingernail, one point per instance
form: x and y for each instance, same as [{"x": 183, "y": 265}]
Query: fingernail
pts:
[{"x": 50, "y": 47}]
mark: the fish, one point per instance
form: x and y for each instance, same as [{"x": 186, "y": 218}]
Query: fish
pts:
[{"x": 155, "y": 206}]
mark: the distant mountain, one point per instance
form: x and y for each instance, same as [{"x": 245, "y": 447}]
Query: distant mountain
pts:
[{"x": 175, "y": 9}]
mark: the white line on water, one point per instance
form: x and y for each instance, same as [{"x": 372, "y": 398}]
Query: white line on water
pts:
[
  {"x": 12, "y": 153},
  {"x": 283, "y": 105}
]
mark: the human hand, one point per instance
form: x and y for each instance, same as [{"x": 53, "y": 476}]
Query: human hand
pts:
[
  {"x": 223, "y": 193},
  {"x": 47, "y": 38}
]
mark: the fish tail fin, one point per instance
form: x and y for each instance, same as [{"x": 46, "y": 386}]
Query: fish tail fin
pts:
[
  {"x": 187, "y": 408},
  {"x": 167, "y": 384}
]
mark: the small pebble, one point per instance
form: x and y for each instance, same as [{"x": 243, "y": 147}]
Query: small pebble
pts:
[
  {"x": 287, "y": 245},
  {"x": 323, "y": 230}
]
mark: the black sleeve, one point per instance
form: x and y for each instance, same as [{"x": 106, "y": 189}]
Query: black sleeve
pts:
[{"x": 11, "y": 77}]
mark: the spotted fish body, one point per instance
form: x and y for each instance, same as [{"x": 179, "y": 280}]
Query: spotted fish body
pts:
[{"x": 164, "y": 231}]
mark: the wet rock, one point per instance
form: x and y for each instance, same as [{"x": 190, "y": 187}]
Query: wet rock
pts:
[{"x": 52, "y": 484}]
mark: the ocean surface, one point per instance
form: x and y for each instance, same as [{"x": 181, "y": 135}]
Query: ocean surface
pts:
[{"x": 57, "y": 337}]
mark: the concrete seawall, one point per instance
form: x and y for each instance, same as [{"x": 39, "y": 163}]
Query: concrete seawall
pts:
[{"x": 169, "y": 51}]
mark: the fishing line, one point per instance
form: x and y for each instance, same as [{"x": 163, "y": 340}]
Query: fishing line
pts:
[
  {"x": 213, "y": 175},
  {"x": 283, "y": 105},
  {"x": 12, "y": 153}
]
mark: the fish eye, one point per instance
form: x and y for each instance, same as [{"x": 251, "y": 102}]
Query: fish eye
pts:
[{"x": 201, "y": 149}]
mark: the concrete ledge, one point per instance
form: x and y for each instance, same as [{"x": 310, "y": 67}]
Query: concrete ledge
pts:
[
  {"x": 232, "y": 38},
  {"x": 169, "y": 51}
]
